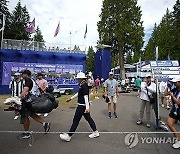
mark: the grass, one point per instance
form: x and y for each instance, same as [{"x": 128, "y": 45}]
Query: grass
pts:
[{"x": 62, "y": 99}]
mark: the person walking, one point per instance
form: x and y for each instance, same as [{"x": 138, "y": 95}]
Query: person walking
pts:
[
  {"x": 138, "y": 85},
  {"x": 174, "y": 114},
  {"x": 97, "y": 87},
  {"x": 147, "y": 89},
  {"x": 25, "y": 112},
  {"x": 42, "y": 86},
  {"x": 16, "y": 86},
  {"x": 111, "y": 91},
  {"x": 83, "y": 109},
  {"x": 162, "y": 87}
]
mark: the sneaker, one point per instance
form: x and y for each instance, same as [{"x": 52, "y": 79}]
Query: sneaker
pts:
[
  {"x": 16, "y": 117},
  {"x": 65, "y": 137},
  {"x": 46, "y": 114},
  {"x": 97, "y": 97},
  {"x": 39, "y": 114},
  {"x": 46, "y": 127},
  {"x": 109, "y": 115},
  {"x": 94, "y": 134},
  {"x": 115, "y": 115},
  {"x": 139, "y": 122},
  {"x": 176, "y": 145},
  {"x": 162, "y": 105},
  {"x": 168, "y": 107},
  {"x": 148, "y": 125},
  {"x": 24, "y": 136}
]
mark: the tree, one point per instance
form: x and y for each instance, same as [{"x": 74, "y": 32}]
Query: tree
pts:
[
  {"x": 38, "y": 37},
  {"x": 4, "y": 9},
  {"x": 19, "y": 21},
  {"x": 90, "y": 60},
  {"x": 149, "y": 53},
  {"x": 129, "y": 58},
  {"x": 175, "y": 53},
  {"x": 120, "y": 26}
]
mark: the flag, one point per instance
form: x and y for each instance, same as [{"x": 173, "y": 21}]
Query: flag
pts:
[
  {"x": 57, "y": 29},
  {"x": 85, "y": 32},
  {"x": 31, "y": 27}
]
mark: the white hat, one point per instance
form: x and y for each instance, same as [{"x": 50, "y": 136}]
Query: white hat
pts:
[
  {"x": 148, "y": 75},
  {"x": 80, "y": 75},
  {"x": 176, "y": 79},
  {"x": 17, "y": 74},
  {"x": 111, "y": 73}
]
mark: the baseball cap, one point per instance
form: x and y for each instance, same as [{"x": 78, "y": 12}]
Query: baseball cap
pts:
[
  {"x": 148, "y": 75},
  {"x": 17, "y": 74},
  {"x": 111, "y": 73},
  {"x": 176, "y": 79}
]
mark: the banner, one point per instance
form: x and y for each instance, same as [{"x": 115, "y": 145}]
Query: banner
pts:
[{"x": 53, "y": 73}]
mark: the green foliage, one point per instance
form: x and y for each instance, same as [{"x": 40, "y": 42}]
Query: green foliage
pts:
[
  {"x": 120, "y": 26},
  {"x": 19, "y": 21},
  {"x": 90, "y": 60},
  {"x": 166, "y": 36},
  {"x": 38, "y": 35}
]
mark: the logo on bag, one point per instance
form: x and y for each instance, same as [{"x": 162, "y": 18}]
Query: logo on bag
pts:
[{"x": 131, "y": 140}]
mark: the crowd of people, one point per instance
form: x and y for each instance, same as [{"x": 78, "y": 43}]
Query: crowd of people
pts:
[{"x": 169, "y": 91}]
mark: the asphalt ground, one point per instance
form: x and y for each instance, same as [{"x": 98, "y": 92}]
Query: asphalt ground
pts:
[{"x": 112, "y": 131}]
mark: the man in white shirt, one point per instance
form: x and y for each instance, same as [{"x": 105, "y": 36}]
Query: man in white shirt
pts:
[{"x": 147, "y": 88}]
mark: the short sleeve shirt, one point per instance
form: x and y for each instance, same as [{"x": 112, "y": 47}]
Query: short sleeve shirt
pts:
[
  {"x": 28, "y": 83},
  {"x": 83, "y": 90},
  {"x": 111, "y": 86}
]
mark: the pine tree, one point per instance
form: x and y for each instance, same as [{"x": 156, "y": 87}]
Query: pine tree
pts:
[
  {"x": 4, "y": 9},
  {"x": 38, "y": 37},
  {"x": 175, "y": 53},
  {"x": 19, "y": 21},
  {"x": 120, "y": 26}
]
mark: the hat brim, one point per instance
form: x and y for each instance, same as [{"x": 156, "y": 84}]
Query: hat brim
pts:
[{"x": 81, "y": 77}]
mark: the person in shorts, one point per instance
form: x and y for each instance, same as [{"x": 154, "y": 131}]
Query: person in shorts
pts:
[
  {"x": 111, "y": 91},
  {"x": 174, "y": 114},
  {"x": 97, "y": 85},
  {"x": 25, "y": 112}
]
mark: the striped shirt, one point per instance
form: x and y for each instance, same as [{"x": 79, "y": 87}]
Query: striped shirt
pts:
[{"x": 16, "y": 87}]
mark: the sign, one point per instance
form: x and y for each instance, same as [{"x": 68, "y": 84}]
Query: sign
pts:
[
  {"x": 54, "y": 73},
  {"x": 165, "y": 69}
]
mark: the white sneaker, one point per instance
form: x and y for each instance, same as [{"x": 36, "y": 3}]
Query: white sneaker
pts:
[
  {"x": 65, "y": 137},
  {"x": 97, "y": 97},
  {"x": 94, "y": 134},
  {"x": 16, "y": 117},
  {"x": 162, "y": 105},
  {"x": 176, "y": 145},
  {"x": 168, "y": 107},
  {"x": 46, "y": 114},
  {"x": 39, "y": 114}
]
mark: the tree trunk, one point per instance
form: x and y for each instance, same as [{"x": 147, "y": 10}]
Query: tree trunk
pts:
[{"x": 121, "y": 63}]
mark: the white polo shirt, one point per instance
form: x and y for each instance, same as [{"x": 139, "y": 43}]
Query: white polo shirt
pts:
[{"x": 151, "y": 89}]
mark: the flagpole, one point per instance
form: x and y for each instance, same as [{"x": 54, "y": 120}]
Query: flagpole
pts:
[
  {"x": 2, "y": 34},
  {"x": 70, "y": 41}
]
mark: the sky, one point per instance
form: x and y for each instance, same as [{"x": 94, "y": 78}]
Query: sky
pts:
[{"x": 75, "y": 14}]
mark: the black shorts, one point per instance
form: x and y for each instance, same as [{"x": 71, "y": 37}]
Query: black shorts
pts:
[
  {"x": 172, "y": 115},
  {"x": 90, "y": 87}
]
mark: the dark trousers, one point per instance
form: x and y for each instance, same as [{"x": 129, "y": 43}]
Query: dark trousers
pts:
[{"x": 77, "y": 117}]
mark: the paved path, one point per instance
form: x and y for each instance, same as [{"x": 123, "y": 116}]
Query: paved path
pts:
[{"x": 61, "y": 119}]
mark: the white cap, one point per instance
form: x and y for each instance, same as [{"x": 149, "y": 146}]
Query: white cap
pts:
[
  {"x": 111, "y": 73},
  {"x": 176, "y": 79},
  {"x": 80, "y": 75},
  {"x": 17, "y": 74},
  {"x": 148, "y": 75}
]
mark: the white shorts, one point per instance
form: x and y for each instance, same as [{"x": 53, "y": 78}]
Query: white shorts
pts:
[{"x": 112, "y": 99}]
